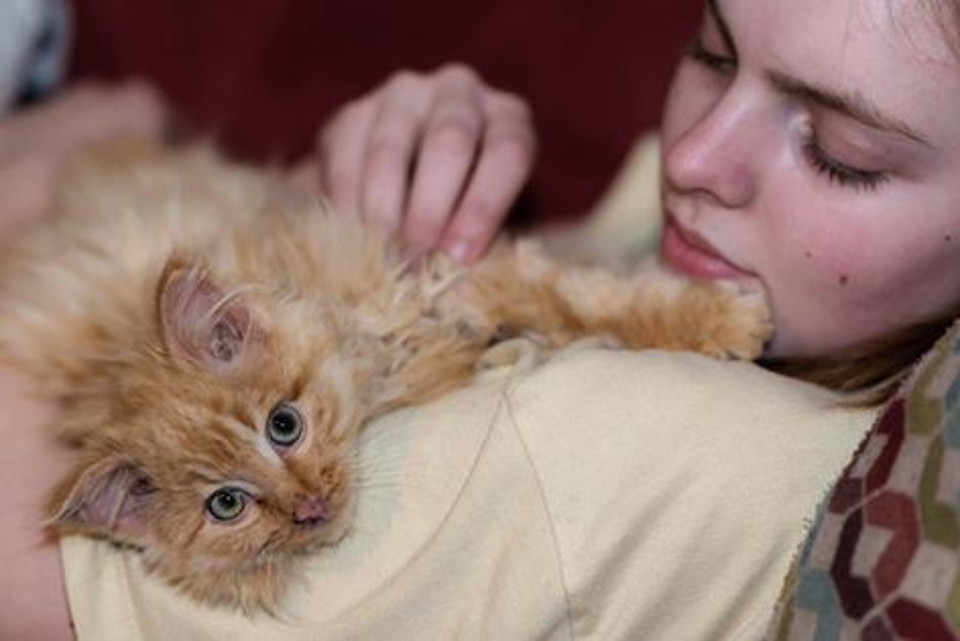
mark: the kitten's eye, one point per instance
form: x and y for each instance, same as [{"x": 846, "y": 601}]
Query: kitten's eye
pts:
[
  {"x": 285, "y": 425},
  {"x": 227, "y": 503}
]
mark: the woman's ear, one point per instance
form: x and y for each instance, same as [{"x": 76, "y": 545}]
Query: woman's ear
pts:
[
  {"x": 200, "y": 323},
  {"x": 109, "y": 496}
]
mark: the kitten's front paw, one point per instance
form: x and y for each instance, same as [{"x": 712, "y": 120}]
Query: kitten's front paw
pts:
[
  {"x": 522, "y": 352},
  {"x": 747, "y": 321}
]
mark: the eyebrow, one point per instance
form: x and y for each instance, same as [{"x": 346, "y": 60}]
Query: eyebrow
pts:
[
  {"x": 850, "y": 105},
  {"x": 722, "y": 25}
]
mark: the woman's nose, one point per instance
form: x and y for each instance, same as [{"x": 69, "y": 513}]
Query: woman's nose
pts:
[{"x": 719, "y": 153}]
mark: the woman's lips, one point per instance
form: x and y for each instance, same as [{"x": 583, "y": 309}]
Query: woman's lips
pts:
[{"x": 690, "y": 254}]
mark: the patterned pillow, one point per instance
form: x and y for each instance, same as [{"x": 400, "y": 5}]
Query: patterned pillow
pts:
[{"x": 882, "y": 560}]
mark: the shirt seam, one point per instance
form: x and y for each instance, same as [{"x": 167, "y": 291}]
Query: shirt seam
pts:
[{"x": 541, "y": 492}]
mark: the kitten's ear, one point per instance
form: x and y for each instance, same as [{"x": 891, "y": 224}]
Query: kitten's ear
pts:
[
  {"x": 109, "y": 496},
  {"x": 199, "y": 322}
]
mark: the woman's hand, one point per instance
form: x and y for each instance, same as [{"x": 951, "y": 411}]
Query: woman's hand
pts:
[
  {"x": 35, "y": 142},
  {"x": 438, "y": 157}
]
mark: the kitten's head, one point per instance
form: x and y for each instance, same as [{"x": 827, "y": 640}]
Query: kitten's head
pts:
[{"x": 227, "y": 449}]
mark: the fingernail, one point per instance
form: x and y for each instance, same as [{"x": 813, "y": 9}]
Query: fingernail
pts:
[{"x": 459, "y": 250}]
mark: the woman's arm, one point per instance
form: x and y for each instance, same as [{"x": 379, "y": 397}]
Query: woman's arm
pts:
[
  {"x": 34, "y": 605},
  {"x": 33, "y": 145}
]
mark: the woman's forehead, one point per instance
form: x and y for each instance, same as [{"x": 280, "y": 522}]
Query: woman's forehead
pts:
[
  {"x": 843, "y": 33},
  {"x": 893, "y": 54}
]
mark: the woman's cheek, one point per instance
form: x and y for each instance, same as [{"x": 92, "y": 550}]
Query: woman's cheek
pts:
[
  {"x": 813, "y": 276},
  {"x": 824, "y": 248}
]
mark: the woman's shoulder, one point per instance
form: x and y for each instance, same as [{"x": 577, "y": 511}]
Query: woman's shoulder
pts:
[
  {"x": 677, "y": 409},
  {"x": 678, "y": 483},
  {"x": 667, "y": 382}
]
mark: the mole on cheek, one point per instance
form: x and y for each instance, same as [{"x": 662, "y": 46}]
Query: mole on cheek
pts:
[
  {"x": 948, "y": 238},
  {"x": 844, "y": 279},
  {"x": 808, "y": 254}
]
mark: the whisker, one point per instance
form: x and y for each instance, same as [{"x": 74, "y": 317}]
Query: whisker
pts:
[
  {"x": 385, "y": 471},
  {"x": 374, "y": 489},
  {"x": 387, "y": 467},
  {"x": 365, "y": 459},
  {"x": 397, "y": 481},
  {"x": 358, "y": 530},
  {"x": 391, "y": 484},
  {"x": 398, "y": 459},
  {"x": 367, "y": 439}
]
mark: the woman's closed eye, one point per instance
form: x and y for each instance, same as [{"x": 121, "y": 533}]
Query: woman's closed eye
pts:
[
  {"x": 698, "y": 52},
  {"x": 838, "y": 172}
]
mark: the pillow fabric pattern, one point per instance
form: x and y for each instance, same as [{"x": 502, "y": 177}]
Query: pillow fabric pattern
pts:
[{"x": 882, "y": 560}]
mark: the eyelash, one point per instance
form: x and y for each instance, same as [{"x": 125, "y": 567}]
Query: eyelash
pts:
[
  {"x": 839, "y": 173},
  {"x": 820, "y": 161},
  {"x": 699, "y": 53}
]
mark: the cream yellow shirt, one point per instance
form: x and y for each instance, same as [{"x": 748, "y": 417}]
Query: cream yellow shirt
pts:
[{"x": 606, "y": 495}]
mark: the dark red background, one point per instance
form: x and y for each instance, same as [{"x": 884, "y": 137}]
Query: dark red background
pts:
[{"x": 262, "y": 74}]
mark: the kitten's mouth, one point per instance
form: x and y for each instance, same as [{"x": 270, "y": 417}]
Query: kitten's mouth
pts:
[
  {"x": 311, "y": 522},
  {"x": 311, "y": 540},
  {"x": 312, "y": 512},
  {"x": 319, "y": 530}
]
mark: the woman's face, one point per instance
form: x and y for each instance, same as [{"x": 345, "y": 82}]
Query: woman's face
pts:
[{"x": 815, "y": 145}]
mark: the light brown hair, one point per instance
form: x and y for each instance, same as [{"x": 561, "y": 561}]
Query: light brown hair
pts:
[{"x": 876, "y": 365}]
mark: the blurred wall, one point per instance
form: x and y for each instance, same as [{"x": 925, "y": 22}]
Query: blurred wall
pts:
[{"x": 262, "y": 74}]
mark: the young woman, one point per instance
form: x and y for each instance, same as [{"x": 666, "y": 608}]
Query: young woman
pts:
[
  {"x": 819, "y": 160},
  {"x": 810, "y": 146}
]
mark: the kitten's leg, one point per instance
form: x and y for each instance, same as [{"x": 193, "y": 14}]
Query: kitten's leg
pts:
[
  {"x": 519, "y": 289},
  {"x": 418, "y": 362}
]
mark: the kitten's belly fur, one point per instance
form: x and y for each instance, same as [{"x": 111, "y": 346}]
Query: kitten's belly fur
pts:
[{"x": 272, "y": 300}]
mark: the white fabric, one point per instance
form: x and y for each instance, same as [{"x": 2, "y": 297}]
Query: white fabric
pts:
[
  {"x": 20, "y": 24},
  {"x": 34, "y": 38}
]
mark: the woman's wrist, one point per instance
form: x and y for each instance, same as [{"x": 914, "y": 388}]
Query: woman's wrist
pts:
[{"x": 31, "y": 585}]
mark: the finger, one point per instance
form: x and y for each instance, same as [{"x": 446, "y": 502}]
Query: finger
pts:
[
  {"x": 90, "y": 112},
  {"x": 138, "y": 108},
  {"x": 450, "y": 143},
  {"x": 390, "y": 151},
  {"x": 302, "y": 178},
  {"x": 341, "y": 148},
  {"x": 506, "y": 159}
]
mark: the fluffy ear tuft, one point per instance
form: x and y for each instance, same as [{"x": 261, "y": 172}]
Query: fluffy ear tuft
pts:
[
  {"x": 110, "y": 497},
  {"x": 199, "y": 322}
]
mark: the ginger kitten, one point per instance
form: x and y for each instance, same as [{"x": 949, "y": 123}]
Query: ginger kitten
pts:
[{"x": 217, "y": 344}]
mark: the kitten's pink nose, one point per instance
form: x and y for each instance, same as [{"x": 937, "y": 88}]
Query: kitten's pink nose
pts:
[{"x": 311, "y": 511}]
